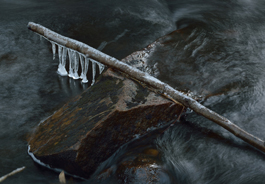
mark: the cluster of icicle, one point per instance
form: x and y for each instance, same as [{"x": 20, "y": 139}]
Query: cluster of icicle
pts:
[{"x": 74, "y": 59}]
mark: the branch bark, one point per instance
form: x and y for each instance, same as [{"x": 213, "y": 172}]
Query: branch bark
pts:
[{"x": 149, "y": 80}]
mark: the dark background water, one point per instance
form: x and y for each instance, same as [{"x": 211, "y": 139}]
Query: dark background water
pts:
[{"x": 221, "y": 59}]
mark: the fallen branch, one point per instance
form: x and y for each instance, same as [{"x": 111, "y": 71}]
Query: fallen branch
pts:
[
  {"x": 148, "y": 80},
  {"x": 12, "y": 173}
]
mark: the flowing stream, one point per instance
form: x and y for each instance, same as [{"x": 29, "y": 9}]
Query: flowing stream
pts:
[{"x": 220, "y": 58}]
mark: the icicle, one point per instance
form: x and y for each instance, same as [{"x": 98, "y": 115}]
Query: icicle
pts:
[
  {"x": 53, "y": 49},
  {"x": 62, "y": 60},
  {"x": 71, "y": 63},
  {"x": 60, "y": 53},
  {"x": 93, "y": 72},
  {"x": 101, "y": 68},
  {"x": 63, "y": 71},
  {"x": 64, "y": 56},
  {"x": 82, "y": 66},
  {"x": 85, "y": 69},
  {"x": 76, "y": 65}
]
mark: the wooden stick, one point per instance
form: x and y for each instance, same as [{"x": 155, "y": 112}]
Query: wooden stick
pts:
[
  {"x": 12, "y": 173},
  {"x": 149, "y": 80}
]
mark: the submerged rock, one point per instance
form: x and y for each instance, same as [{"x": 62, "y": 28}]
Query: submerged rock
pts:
[
  {"x": 142, "y": 167},
  {"x": 138, "y": 162},
  {"x": 93, "y": 126},
  {"x": 145, "y": 168}
]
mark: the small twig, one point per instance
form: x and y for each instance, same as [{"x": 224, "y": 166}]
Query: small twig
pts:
[
  {"x": 179, "y": 115},
  {"x": 12, "y": 173},
  {"x": 176, "y": 119},
  {"x": 168, "y": 97}
]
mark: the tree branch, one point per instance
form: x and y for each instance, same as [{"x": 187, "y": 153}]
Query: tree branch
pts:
[{"x": 149, "y": 80}]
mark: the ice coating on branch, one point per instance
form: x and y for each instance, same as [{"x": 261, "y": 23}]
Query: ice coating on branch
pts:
[
  {"x": 76, "y": 65},
  {"x": 155, "y": 80},
  {"x": 93, "y": 71},
  {"x": 53, "y": 50},
  {"x": 74, "y": 56},
  {"x": 71, "y": 63}
]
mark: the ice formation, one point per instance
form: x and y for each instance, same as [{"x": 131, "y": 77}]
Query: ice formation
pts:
[
  {"x": 74, "y": 56},
  {"x": 53, "y": 50},
  {"x": 71, "y": 62},
  {"x": 74, "y": 59},
  {"x": 93, "y": 71},
  {"x": 84, "y": 66},
  {"x": 62, "y": 61},
  {"x": 76, "y": 65},
  {"x": 101, "y": 67},
  {"x": 60, "y": 53}
]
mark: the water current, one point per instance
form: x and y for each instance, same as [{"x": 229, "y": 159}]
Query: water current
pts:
[{"x": 221, "y": 60}]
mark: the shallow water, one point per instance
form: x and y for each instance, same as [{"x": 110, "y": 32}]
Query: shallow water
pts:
[{"x": 221, "y": 59}]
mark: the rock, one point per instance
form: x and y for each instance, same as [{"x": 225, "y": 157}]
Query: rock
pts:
[
  {"x": 94, "y": 125},
  {"x": 186, "y": 57},
  {"x": 140, "y": 163},
  {"x": 143, "y": 59},
  {"x": 145, "y": 168}
]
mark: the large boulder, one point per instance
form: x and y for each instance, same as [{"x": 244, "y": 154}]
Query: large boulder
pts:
[{"x": 93, "y": 126}]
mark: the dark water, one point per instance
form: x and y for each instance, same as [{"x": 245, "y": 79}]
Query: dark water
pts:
[{"x": 221, "y": 59}]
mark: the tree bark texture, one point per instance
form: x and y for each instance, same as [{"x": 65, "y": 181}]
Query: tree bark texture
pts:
[{"x": 150, "y": 81}]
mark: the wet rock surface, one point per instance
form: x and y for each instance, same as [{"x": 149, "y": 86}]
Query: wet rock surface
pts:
[
  {"x": 181, "y": 58},
  {"x": 143, "y": 167},
  {"x": 146, "y": 167},
  {"x": 94, "y": 125},
  {"x": 144, "y": 59},
  {"x": 139, "y": 162}
]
